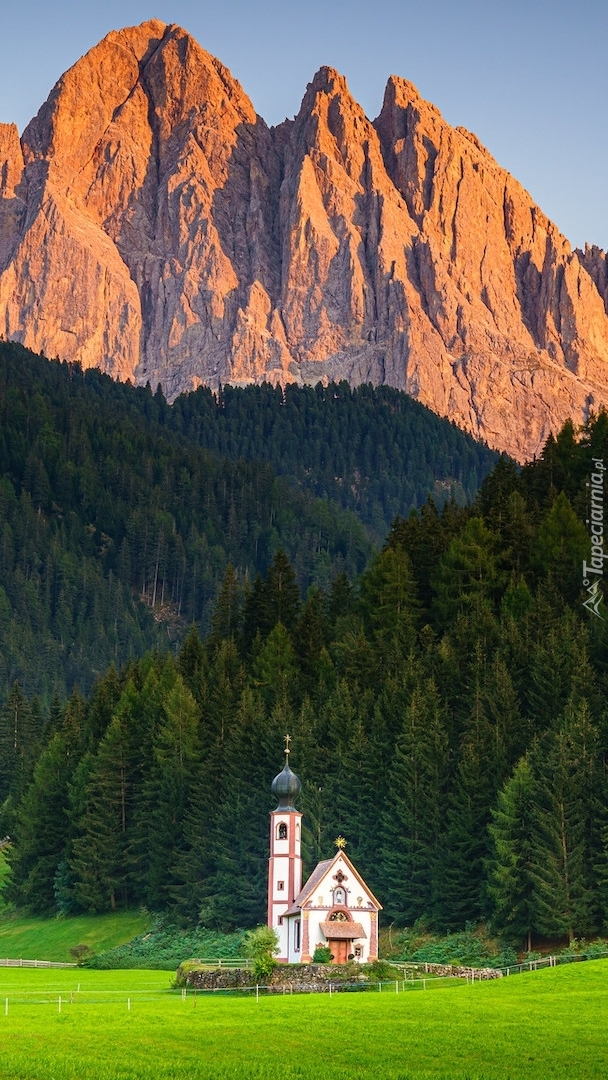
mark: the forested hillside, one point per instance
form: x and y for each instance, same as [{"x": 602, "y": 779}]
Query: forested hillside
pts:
[
  {"x": 119, "y": 514},
  {"x": 448, "y": 716},
  {"x": 115, "y": 530},
  {"x": 373, "y": 450}
]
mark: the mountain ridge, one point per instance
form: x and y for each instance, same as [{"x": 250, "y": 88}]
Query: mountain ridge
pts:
[{"x": 152, "y": 225}]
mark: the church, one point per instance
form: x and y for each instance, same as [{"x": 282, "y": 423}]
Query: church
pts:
[{"x": 333, "y": 908}]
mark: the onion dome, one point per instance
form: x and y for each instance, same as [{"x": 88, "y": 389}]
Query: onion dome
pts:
[{"x": 286, "y": 787}]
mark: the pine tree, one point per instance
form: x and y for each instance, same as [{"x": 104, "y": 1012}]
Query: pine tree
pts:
[
  {"x": 459, "y": 886},
  {"x": 467, "y": 575},
  {"x": 40, "y": 828},
  {"x": 234, "y": 893},
  {"x": 226, "y": 618},
  {"x": 510, "y": 880},
  {"x": 281, "y": 601},
  {"x": 164, "y": 798},
  {"x": 192, "y": 665},
  {"x": 275, "y": 672},
  {"x": 388, "y": 594},
  {"x": 17, "y": 741},
  {"x": 414, "y": 807},
  {"x": 99, "y": 864},
  {"x": 562, "y": 874},
  {"x": 561, "y": 546},
  {"x": 310, "y": 638}
]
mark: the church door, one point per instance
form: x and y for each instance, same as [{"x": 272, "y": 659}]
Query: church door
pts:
[{"x": 340, "y": 950}]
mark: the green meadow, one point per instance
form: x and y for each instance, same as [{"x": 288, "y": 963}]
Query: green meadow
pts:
[
  {"x": 52, "y": 939},
  {"x": 535, "y": 1026}
]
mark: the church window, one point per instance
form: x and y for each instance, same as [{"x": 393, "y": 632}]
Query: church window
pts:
[
  {"x": 339, "y": 895},
  {"x": 338, "y": 916},
  {"x": 280, "y": 885},
  {"x": 280, "y": 920},
  {"x": 296, "y": 935},
  {"x": 282, "y": 831},
  {"x": 297, "y": 831}
]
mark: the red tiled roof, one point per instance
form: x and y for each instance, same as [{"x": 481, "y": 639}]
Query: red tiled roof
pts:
[{"x": 342, "y": 930}]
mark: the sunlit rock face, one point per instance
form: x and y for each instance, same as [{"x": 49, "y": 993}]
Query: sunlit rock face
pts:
[{"x": 152, "y": 225}]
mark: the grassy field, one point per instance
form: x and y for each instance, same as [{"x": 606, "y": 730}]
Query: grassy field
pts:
[
  {"x": 539, "y": 1026},
  {"x": 52, "y": 939}
]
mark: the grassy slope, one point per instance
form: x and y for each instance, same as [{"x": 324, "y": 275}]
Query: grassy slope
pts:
[
  {"x": 51, "y": 939},
  {"x": 541, "y": 1026}
]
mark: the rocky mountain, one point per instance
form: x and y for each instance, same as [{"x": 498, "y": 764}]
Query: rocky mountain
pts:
[{"x": 151, "y": 224}]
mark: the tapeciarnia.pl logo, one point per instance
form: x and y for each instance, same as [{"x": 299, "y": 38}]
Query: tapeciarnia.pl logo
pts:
[{"x": 593, "y": 571}]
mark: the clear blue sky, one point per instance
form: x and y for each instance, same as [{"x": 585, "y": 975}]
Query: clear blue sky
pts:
[{"x": 529, "y": 78}]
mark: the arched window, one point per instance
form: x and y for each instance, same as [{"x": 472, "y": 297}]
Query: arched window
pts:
[{"x": 281, "y": 831}]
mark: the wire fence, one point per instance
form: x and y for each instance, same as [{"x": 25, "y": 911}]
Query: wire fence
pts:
[
  {"x": 536, "y": 964},
  {"x": 62, "y": 1000},
  {"x": 232, "y": 962},
  {"x": 412, "y": 978},
  {"x": 211, "y": 964},
  {"x": 34, "y": 964}
]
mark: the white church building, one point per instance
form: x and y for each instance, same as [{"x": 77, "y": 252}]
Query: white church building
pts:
[{"x": 333, "y": 908}]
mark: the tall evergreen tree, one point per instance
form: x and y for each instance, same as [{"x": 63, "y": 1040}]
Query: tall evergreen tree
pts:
[
  {"x": 165, "y": 796},
  {"x": 18, "y": 736},
  {"x": 41, "y": 830},
  {"x": 460, "y": 880},
  {"x": 100, "y": 866},
  {"x": 562, "y": 875},
  {"x": 281, "y": 601},
  {"x": 467, "y": 575},
  {"x": 510, "y": 877},
  {"x": 388, "y": 594},
  {"x": 414, "y": 807}
]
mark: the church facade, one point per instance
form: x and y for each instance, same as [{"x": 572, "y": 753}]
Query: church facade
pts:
[{"x": 333, "y": 908}]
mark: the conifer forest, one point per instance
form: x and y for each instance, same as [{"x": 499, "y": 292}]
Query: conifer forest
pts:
[{"x": 180, "y": 586}]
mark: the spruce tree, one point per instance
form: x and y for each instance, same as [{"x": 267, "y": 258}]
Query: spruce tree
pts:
[
  {"x": 562, "y": 873},
  {"x": 510, "y": 867},
  {"x": 17, "y": 740},
  {"x": 165, "y": 795},
  {"x": 40, "y": 829},
  {"x": 100, "y": 866},
  {"x": 460, "y": 879},
  {"x": 414, "y": 811},
  {"x": 281, "y": 602}
]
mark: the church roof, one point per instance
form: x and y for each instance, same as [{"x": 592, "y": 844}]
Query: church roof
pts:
[
  {"x": 349, "y": 930},
  {"x": 310, "y": 886},
  {"x": 317, "y": 876}
]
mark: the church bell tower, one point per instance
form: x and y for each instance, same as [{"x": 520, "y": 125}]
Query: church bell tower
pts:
[{"x": 285, "y": 864}]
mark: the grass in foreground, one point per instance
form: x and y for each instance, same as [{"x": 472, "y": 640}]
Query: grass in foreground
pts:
[
  {"x": 52, "y": 939},
  {"x": 545, "y": 1025}
]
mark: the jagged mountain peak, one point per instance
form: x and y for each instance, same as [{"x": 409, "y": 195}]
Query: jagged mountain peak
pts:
[{"x": 152, "y": 225}]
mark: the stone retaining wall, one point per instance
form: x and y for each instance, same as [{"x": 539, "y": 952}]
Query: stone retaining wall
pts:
[
  {"x": 456, "y": 971},
  {"x": 315, "y": 978},
  {"x": 286, "y": 978}
]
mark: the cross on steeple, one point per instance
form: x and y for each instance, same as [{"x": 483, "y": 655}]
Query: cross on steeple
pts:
[{"x": 287, "y": 750}]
